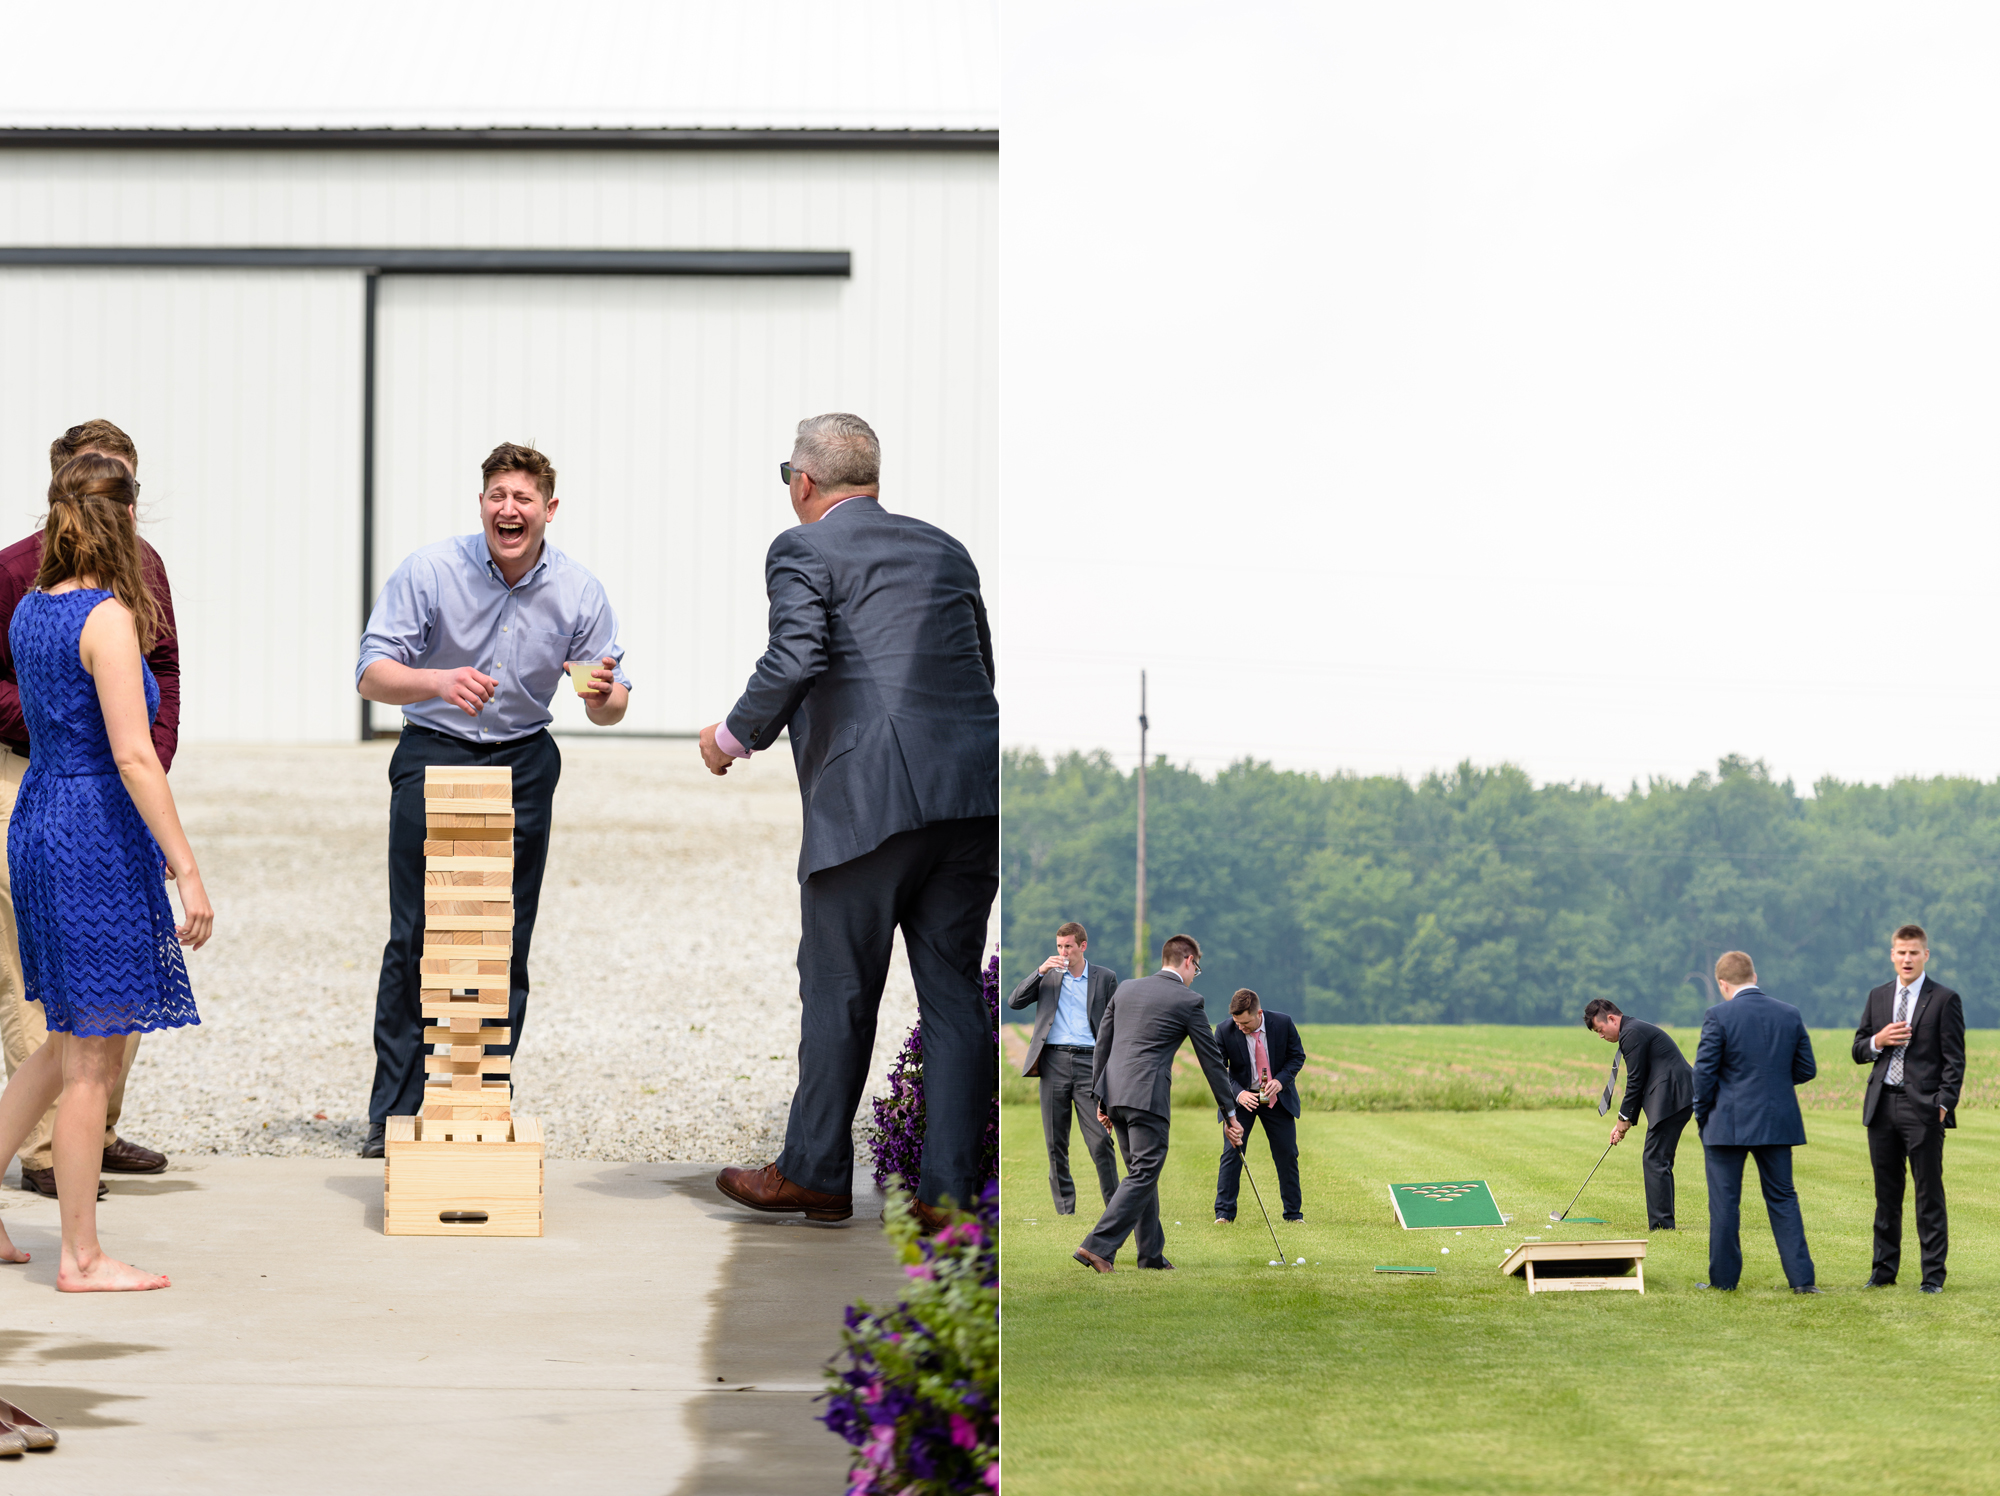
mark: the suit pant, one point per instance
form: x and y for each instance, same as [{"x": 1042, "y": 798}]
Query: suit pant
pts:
[
  {"x": 1065, "y": 1085},
  {"x": 1281, "y": 1131},
  {"x": 1663, "y": 1139},
  {"x": 1134, "y": 1207},
  {"x": 1905, "y": 1129},
  {"x": 398, "y": 1090},
  {"x": 23, "y": 1025},
  {"x": 937, "y": 884},
  {"x": 1725, "y": 1211}
]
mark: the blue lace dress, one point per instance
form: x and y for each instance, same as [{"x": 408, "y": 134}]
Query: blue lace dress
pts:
[{"x": 97, "y": 933}]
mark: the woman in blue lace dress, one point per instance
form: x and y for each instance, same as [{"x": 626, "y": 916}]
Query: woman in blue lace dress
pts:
[{"x": 93, "y": 838}]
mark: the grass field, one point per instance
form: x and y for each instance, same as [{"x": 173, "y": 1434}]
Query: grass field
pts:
[{"x": 1229, "y": 1375}]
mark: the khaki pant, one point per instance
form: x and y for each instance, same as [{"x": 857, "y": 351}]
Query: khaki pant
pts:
[{"x": 23, "y": 1027}]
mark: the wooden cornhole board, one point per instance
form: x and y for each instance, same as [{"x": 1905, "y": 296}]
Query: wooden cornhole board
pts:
[{"x": 1578, "y": 1266}]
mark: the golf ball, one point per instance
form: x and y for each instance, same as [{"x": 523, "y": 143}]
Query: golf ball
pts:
[
  {"x": 1445, "y": 1250},
  {"x": 1274, "y": 1263},
  {"x": 1302, "y": 1262}
]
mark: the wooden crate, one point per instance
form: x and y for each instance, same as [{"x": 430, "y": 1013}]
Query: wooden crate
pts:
[
  {"x": 1579, "y": 1266},
  {"x": 435, "y": 1185},
  {"x": 466, "y": 1166}
]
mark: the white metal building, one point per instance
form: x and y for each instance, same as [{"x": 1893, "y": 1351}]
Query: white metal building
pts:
[{"x": 315, "y": 321}]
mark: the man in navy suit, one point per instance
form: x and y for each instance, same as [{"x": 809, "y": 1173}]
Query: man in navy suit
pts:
[
  {"x": 1070, "y": 993},
  {"x": 1754, "y": 1050},
  {"x": 1264, "y": 1056}
]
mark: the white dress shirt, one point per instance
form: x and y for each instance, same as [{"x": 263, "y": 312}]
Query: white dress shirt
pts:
[{"x": 1916, "y": 990}]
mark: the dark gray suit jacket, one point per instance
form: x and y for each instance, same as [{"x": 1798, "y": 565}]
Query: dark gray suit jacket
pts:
[
  {"x": 1143, "y": 1027},
  {"x": 1934, "y": 1065},
  {"x": 881, "y": 664},
  {"x": 1287, "y": 1050},
  {"x": 1046, "y": 988},
  {"x": 1657, "y": 1075}
]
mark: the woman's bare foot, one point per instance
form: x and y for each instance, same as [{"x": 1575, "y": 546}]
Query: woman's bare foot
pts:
[
  {"x": 8, "y": 1251},
  {"x": 105, "y": 1274}
]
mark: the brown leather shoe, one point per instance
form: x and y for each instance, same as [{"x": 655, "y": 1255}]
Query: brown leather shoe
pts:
[
  {"x": 767, "y": 1190},
  {"x": 1092, "y": 1261},
  {"x": 930, "y": 1220},
  {"x": 32, "y": 1432},
  {"x": 43, "y": 1182},
  {"x": 129, "y": 1158}
]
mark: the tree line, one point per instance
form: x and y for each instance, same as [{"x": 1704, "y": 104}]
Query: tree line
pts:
[{"x": 1478, "y": 896}]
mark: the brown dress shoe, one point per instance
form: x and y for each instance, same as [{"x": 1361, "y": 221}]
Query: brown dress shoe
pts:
[
  {"x": 43, "y": 1182},
  {"x": 1092, "y": 1261},
  {"x": 930, "y": 1220},
  {"x": 129, "y": 1158},
  {"x": 767, "y": 1190}
]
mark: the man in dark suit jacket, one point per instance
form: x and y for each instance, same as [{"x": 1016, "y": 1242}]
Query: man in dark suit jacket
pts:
[
  {"x": 1264, "y": 1055},
  {"x": 1134, "y": 1087},
  {"x": 1912, "y": 1031},
  {"x": 1658, "y": 1079},
  {"x": 1754, "y": 1050},
  {"x": 1070, "y": 994},
  {"x": 881, "y": 664}
]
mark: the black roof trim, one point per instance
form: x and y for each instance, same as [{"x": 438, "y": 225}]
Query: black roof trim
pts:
[
  {"x": 838, "y": 262},
  {"x": 527, "y": 138}
]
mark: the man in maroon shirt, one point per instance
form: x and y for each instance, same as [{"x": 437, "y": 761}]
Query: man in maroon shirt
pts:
[{"x": 22, "y": 1030}]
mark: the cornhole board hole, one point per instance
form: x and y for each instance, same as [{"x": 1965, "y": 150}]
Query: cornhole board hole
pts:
[
  {"x": 469, "y": 1178},
  {"x": 1448, "y": 1205},
  {"x": 1578, "y": 1266}
]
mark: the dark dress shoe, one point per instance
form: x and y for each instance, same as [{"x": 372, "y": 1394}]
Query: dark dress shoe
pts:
[
  {"x": 34, "y": 1433},
  {"x": 1091, "y": 1260},
  {"x": 1809, "y": 1288},
  {"x": 129, "y": 1158},
  {"x": 1156, "y": 1264},
  {"x": 43, "y": 1182},
  {"x": 1717, "y": 1287},
  {"x": 1930, "y": 1288},
  {"x": 377, "y": 1145},
  {"x": 1297, "y": 1220},
  {"x": 767, "y": 1190},
  {"x": 1880, "y": 1283}
]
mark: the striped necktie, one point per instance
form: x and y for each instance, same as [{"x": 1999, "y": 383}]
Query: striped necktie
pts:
[{"x": 1895, "y": 1075}]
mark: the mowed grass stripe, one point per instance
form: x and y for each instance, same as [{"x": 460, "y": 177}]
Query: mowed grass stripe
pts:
[
  {"x": 1229, "y": 1375},
  {"x": 1500, "y": 1067}
]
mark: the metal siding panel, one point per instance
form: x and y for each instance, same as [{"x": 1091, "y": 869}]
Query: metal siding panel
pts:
[{"x": 241, "y": 390}]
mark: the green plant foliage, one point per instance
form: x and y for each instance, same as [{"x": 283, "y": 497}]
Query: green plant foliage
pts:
[{"x": 1480, "y": 897}]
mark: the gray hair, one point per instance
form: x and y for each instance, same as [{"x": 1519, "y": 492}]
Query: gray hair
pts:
[{"x": 838, "y": 451}]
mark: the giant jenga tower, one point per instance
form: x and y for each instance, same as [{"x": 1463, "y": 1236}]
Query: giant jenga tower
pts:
[{"x": 466, "y": 1166}]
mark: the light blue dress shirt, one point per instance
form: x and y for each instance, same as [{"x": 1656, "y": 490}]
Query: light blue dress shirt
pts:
[
  {"x": 447, "y": 605},
  {"x": 1072, "y": 1020}
]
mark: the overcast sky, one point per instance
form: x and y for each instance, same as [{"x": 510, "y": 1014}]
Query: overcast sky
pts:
[{"x": 1601, "y": 389}]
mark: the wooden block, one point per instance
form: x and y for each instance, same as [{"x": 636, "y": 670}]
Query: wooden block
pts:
[
  {"x": 498, "y": 821},
  {"x": 471, "y": 949},
  {"x": 482, "y": 887},
  {"x": 468, "y": 864},
  {"x": 483, "y": 1064},
  {"x": 467, "y": 774},
  {"x": 402, "y": 1129},
  {"x": 435, "y": 1184},
  {"x": 455, "y": 982},
  {"x": 469, "y": 1035},
  {"x": 481, "y": 921},
  {"x": 486, "y": 806},
  {"x": 436, "y": 1004},
  {"x": 442, "y": 1093}
]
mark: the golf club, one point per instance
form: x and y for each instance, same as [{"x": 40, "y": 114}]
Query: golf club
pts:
[
  {"x": 1581, "y": 1187},
  {"x": 1243, "y": 1154}
]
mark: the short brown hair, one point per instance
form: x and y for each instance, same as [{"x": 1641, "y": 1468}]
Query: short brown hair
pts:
[
  {"x": 1243, "y": 1001},
  {"x": 512, "y": 457},
  {"x": 93, "y": 436},
  {"x": 1075, "y": 932},
  {"x": 1599, "y": 1007},
  {"x": 1178, "y": 948},
  {"x": 1735, "y": 968},
  {"x": 1911, "y": 932}
]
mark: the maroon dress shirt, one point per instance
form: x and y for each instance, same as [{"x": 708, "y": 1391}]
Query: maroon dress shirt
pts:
[{"x": 18, "y": 565}]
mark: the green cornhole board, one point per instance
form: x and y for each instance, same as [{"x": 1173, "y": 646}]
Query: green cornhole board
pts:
[
  {"x": 1405, "y": 1269},
  {"x": 1446, "y": 1205}
]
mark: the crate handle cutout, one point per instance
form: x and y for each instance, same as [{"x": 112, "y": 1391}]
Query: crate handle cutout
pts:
[{"x": 462, "y": 1217}]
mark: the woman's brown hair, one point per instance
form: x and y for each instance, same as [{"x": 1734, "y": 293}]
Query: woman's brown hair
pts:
[{"x": 90, "y": 532}]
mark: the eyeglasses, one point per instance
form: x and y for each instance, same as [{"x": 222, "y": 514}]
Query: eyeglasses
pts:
[{"x": 786, "y": 472}]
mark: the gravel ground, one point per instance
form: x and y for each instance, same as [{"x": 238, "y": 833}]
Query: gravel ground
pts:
[{"x": 664, "y": 1022}]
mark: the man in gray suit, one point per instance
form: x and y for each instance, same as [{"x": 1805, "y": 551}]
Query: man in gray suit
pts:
[
  {"x": 1070, "y": 994},
  {"x": 880, "y": 663},
  {"x": 1133, "y": 1082}
]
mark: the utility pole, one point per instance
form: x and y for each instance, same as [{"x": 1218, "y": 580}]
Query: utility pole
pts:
[{"x": 1140, "y": 945}]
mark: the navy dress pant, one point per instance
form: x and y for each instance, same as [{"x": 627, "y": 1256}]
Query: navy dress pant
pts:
[
  {"x": 1725, "y": 1213},
  {"x": 398, "y": 1090},
  {"x": 1281, "y": 1130}
]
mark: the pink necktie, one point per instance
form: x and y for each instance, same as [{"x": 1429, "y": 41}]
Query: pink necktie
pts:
[{"x": 1263, "y": 1059}]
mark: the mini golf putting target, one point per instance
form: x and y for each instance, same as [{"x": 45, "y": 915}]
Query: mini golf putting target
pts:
[{"x": 1449, "y": 1204}]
